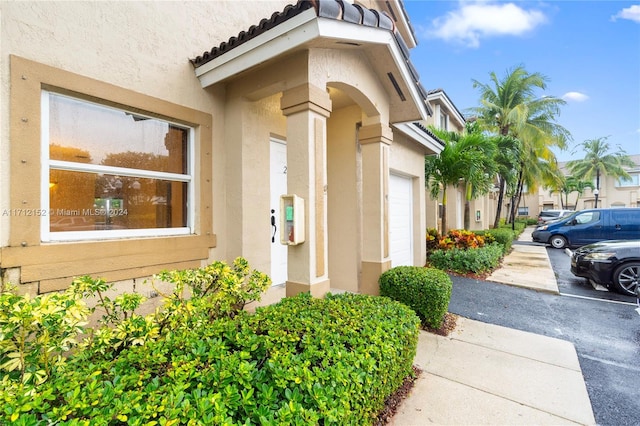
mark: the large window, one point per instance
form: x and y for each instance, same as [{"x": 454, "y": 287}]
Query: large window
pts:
[
  {"x": 634, "y": 180},
  {"x": 111, "y": 173},
  {"x": 126, "y": 176}
]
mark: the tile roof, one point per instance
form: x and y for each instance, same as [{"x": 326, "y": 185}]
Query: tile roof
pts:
[
  {"x": 332, "y": 9},
  {"x": 426, "y": 130}
]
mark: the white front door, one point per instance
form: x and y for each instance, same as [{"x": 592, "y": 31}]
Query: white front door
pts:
[
  {"x": 278, "y": 187},
  {"x": 400, "y": 220}
]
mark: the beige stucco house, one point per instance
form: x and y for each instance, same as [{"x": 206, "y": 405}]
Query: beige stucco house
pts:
[
  {"x": 447, "y": 116},
  {"x": 612, "y": 193},
  {"x": 129, "y": 145}
]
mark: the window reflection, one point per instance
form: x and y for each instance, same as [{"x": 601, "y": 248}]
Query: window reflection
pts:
[
  {"x": 112, "y": 169},
  {"x": 87, "y": 201},
  {"x": 86, "y": 133}
]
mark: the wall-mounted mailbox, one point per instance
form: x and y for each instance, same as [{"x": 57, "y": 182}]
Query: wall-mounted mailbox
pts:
[{"x": 291, "y": 220}]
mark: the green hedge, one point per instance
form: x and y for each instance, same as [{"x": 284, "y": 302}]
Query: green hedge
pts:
[
  {"x": 302, "y": 361},
  {"x": 425, "y": 290},
  {"x": 477, "y": 260},
  {"x": 503, "y": 236}
]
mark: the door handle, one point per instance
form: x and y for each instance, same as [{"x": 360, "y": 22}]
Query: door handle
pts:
[{"x": 273, "y": 225}]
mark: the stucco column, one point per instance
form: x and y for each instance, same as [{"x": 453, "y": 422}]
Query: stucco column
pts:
[
  {"x": 307, "y": 108},
  {"x": 375, "y": 140}
]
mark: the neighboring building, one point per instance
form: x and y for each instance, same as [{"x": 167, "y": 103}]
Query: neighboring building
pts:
[
  {"x": 446, "y": 116},
  {"x": 612, "y": 193},
  {"x": 125, "y": 150}
]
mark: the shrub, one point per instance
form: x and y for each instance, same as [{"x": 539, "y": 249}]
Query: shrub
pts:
[
  {"x": 464, "y": 239},
  {"x": 478, "y": 260},
  {"x": 202, "y": 361},
  {"x": 503, "y": 236},
  {"x": 433, "y": 237},
  {"x": 342, "y": 355},
  {"x": 39, "y": 336},
  {"x": 425, "y": 290},
  {"x": 35, "y": 333},
  {"x": 455, "y": 238},
  {"x": 518, "y": 226}
]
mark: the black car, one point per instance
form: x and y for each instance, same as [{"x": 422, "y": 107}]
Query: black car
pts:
[{"x": 614, "y": 264}]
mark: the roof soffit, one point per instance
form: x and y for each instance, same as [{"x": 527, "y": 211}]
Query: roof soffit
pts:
[{"x": 422, "y": 135}]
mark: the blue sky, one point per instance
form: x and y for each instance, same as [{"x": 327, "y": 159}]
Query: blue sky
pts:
[{"x": 589, "y": 50}]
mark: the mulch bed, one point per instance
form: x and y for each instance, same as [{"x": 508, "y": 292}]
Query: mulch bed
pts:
[
  {"x": 393, "y": 402},
  {"x": 448, "y": 325}
]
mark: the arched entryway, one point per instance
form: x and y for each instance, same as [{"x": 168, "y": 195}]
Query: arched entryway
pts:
[{"x": 332, "y": 103}]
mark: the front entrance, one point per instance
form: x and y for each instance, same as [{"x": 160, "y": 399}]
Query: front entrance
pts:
[
  {"x": 400, "y": 220},
  {"x": 278, "y": 187}
]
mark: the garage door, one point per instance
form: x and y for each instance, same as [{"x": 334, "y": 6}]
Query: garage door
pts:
[{"x": 400, "y": 220}]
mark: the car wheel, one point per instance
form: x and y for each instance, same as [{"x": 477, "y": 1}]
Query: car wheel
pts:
[
  {"x": 626, "y": 277},
  {"x": 558, "y": 241}
]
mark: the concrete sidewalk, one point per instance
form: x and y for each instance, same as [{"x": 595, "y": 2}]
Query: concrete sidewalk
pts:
[
  {"x": 527, "y": 265},
  {"x": 483, "y": 374}
]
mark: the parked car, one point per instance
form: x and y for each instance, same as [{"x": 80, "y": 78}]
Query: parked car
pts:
[
  {"x": 613, "y": 264},
  {"x": 551, "y": 214},
  {"x": 590, "y": 226}
]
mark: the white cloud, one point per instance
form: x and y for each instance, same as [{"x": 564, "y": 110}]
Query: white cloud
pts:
[
  {"x": 631, "y": 13},
  {"x": 475, "y": 20},
  {"x": 575, "y": 97}
]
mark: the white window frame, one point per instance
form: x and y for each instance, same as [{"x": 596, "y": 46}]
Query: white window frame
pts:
[
  {"x": 634, "y": 181},
  {"x": 47, "y": 163},
  {"x": 444, "y": 121}
]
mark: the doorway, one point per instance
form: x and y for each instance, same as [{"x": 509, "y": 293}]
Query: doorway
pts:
[{"x": 278, "y": 187}]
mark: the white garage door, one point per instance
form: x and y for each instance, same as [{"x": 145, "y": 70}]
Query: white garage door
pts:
[{"x": 400, "y": 220}]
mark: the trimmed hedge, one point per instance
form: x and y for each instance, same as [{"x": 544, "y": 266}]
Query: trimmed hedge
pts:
[
  {"x": 503, "y": 236},
  {"x": 477, "y": 260},
  {"x": 302, "y": 361},
  {"x": 425, "y": 290}
]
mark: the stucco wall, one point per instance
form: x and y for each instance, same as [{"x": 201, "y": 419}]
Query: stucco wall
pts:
[
  {"x": 142, "y": 46},
  {"x": 344, "y": 177},
  {"x": 249, "y": 128}
]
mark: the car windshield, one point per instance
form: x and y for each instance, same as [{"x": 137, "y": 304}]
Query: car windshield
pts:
[{"x": 569, "y": 215}]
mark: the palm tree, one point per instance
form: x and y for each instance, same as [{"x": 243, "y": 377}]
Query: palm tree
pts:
[
  {"x": 578, "y": 185},
  {"x": 507, "y": 157},
  {"x": 598, "y": 161},
  {"x": 509, "y": 107},
  {"x": 466, "y": 158},
  {"x": 566, "y": 185},
  {"x": 443, "y": 170},
  {"x": 480, "y": 155}
]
